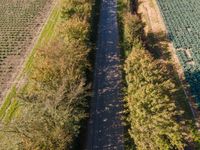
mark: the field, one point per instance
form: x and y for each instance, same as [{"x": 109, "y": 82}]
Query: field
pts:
[
  {"x": 68, "y": 65},
  {"x": 181, "y": 18},
  {"x": 20, "y": 25},
  {"x": 153, "y": 88},
  {"x": 46, "y": 35}
]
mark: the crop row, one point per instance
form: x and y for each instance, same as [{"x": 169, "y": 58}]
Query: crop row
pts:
[
  {"x": 182, "y": 20},
  {"x": 19, "y": 25}
]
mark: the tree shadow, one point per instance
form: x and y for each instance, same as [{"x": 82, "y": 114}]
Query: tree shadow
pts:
[
  {"x": 193, "y": 80},
  {"x": 80, "y": 142},
  {"x": 180, "y": 95},
  {"x": 157, "y": 45}
]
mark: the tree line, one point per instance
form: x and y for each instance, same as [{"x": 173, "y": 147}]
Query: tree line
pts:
[{"x": 152, "y": 116}]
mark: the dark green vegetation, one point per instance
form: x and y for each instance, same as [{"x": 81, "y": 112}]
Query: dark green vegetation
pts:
[
  {"x": 158, "y": 115},
  {"x": 54, "y": 101},
  {"x": 183, "y": 29}
]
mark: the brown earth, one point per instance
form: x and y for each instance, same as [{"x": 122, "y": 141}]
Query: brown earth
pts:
[{"x": 14, "y": 64}]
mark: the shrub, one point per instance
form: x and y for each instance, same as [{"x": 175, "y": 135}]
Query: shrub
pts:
[
  {"x": 133, "y": 31},
  {"x": 79, "y": 8}
]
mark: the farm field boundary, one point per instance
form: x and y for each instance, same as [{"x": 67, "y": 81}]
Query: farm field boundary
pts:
[
  {"x": 20, "y": 79},
  {"x": 12, "y": 76},
  {"x": 184, "y": 45},
  {"x": 183, "y": 31},
  {"x": 155, "y": 45}
]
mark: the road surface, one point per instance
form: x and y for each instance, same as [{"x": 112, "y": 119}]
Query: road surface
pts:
[{"x": 105, "y": 124}]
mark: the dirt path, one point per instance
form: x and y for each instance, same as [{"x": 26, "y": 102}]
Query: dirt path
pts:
[{"x": 105, "y": 126}]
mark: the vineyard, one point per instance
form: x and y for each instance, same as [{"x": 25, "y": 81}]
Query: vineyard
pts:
[
  {"x": 182, "y": 20},
  {"x": 21, "y": 21},
  {"x": 56, "y": 67}
]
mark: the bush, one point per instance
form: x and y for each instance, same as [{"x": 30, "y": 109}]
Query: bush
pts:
[
  {"x": 133, "y": 31},
  {"x": 79, "y": 8}
]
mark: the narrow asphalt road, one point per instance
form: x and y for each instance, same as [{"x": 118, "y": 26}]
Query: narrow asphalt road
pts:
[{"x": 105, "y": 124}]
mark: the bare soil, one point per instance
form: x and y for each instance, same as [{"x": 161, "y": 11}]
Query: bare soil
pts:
[{"x": 14, "y": 63}]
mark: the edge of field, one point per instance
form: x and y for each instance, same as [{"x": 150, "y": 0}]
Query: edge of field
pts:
[
  {"x": 187, "y": 103},
  {"x": 151, "y": 15},
  {"x": 10, "y": 105}
]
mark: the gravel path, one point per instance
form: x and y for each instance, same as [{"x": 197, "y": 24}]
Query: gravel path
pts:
[{"x": 105, "y": 126}]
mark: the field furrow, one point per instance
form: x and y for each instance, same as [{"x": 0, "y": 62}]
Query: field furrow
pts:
[
  {"x": 20, "y": 25},
  {"x": 182, "y": 20}
]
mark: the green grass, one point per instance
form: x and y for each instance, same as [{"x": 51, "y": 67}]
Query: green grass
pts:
[
  {"x": 7, "y": 102},
  {"x": 47, "y": 34},
  {"x": 49, "y": 30},
  {"x": 11, "y": 111}
]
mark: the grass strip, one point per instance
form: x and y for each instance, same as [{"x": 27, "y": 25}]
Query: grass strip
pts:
[{"x": 7, "y": 102}]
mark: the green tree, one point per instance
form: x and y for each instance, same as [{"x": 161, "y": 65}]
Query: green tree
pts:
[
  {"x": 54, "y": 99},
  {"x": 152, "y": 110},
  {"x": 133, "y": 30}
]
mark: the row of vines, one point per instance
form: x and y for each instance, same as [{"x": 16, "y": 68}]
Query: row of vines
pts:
[
  {"x": 181, "y": 18},
  {"x": 19, "y": 25},
  {"x": 53, "y": 102}
]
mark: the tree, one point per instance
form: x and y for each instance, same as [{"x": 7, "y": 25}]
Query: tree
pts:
[
  {"x": 152, "y": 110},
  {"x": 54, "y": 98},
  {"x": 133, "y": 31}
]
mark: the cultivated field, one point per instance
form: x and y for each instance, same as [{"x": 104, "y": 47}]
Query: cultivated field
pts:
[
  {"x": 182, "y": 20},
  {"x": 20, "y": 24}
]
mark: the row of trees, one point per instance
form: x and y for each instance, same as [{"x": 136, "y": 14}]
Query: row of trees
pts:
[
  {"x": 152, "y": 115},
  {"x": 54, "y": 99}
]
